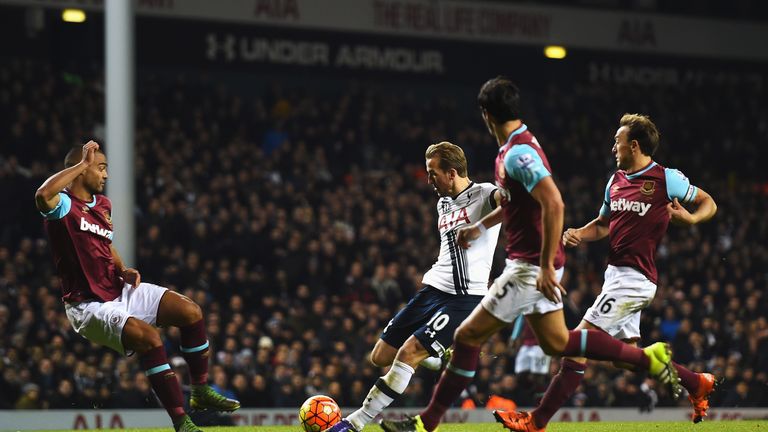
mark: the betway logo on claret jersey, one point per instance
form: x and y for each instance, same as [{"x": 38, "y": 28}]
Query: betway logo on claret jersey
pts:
[
  {"x": 94, "y": 228},
  {"x": 638, "y": 207}
]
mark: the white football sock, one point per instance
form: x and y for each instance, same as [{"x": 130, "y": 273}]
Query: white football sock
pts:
[
  {"x": 432, "y": 363},
  {"x": 383, "y": 393}
]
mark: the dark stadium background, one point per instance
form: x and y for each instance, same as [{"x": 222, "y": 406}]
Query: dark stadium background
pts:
[{"x": 290, "y": 202}]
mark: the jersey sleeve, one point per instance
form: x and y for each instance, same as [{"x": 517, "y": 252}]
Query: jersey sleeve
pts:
[
  {"x": 678, "y": 186},
  {"x": 61, "y": 209},
  {"x": 523, "y": 164},
  {"x": 488, "y": 191},
  {"x": 605, "y": 209}
]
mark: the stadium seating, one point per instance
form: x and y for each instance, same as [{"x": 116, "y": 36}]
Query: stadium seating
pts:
[{"x": 300, "y": 221}]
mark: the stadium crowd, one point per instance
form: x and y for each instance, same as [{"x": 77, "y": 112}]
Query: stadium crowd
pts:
[{"x": 301, "y": 221}]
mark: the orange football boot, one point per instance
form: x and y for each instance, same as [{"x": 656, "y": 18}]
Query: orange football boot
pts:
[
  {"x": 708, "y": 383},
  {"x": 517, "y": 421}
]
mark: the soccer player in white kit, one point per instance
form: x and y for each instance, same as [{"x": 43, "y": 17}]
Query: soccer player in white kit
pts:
[{"x": 421, "y": 332}]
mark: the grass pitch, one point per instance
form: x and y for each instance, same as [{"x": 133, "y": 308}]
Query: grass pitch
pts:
[{"x": 717, "y": 426}]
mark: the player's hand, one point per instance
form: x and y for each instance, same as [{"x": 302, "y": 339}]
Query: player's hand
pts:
[
  {"x": 679, "y": 215},
  {"x": 131, "y": 276},
  {"x": 571, "y": 237},
  {"x": 467, "y": 234},
  {"x": 89, "y": 152},
  {"x": 548, "y": 284}
]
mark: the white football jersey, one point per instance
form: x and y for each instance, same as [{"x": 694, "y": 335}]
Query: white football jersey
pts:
[{"x": 464, "y": 271}]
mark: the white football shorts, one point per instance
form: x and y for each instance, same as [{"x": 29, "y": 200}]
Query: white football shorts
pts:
[
  {"x": 531, "y": 358},
  {"x": 616, "y": 310},
  {"x": 514, "y": 293},
  {"x": 103, "y": 322}
]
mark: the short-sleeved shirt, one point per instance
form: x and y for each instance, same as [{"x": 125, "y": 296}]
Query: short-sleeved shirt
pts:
[
  {"x": 464, "y": 271},
  {"x": 80, "y": 234},
  {"x": 520, "y": 165},
  {"x": 636, "y": 205}
]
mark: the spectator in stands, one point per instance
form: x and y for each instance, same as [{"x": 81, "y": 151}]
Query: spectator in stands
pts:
[{"x": 284, "y": 249}]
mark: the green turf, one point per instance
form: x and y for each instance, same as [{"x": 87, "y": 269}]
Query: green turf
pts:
[{"x": 719, "y": 426}]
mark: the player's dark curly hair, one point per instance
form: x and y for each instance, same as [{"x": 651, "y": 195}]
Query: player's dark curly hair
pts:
[
  {"x": 500, "y": 98},
  {"x": 642, "y": 129}
]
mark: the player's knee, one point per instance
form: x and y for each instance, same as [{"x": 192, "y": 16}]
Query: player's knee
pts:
[
  {"x": 152, "y": 339},
  {"x": 140, "y": 337},
  {"x": 412, "y": 352},
  {"x": 467, "y": 334},
  {"x": 378, "y": 358},
  {"x": 192, "y": 312},
  {"x": 555, "y": 345}
]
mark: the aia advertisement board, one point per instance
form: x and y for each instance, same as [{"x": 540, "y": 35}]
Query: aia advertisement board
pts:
[{"x": 124, "y": 419}]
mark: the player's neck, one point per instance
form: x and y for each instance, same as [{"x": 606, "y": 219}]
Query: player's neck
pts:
[
  {"x": 80, "y": 192},
  {"x": 460, "y": 185},
  {"x": 504, "y": 130},
  {"x": 639, "y": 164}
]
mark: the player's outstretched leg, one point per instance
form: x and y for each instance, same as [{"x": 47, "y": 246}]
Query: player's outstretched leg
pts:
[
  {"x": 387, "y": 388},
  {"x": 597, "y": 345},
  {"x": 382, "y": 394},
  {"x": 195, "y": 350},
  {"x": 560, "y": 389},
  {"x": 453, "y": 381},
  {"x": 178, "y": 310},
  {"x": 700, "y": 388},
  {"x": 145, "y": 340},
  {"x": 470, "y": 336}
]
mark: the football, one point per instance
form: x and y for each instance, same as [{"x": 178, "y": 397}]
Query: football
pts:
[{"x": 319, "y": 413}]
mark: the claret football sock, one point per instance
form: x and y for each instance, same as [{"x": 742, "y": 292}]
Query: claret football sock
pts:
[
  {"x": 163, "y": 380},
  {"x": 599, "y": 345},
  {"x": 563, "y": 385},
  {"x": 194, "y": 349},
  {"x": 689, "y": 380},
  {"x": 454, "y": 380}
]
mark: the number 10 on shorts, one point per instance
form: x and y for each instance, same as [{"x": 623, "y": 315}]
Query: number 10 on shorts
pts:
[{"x": 437, "y": 323}]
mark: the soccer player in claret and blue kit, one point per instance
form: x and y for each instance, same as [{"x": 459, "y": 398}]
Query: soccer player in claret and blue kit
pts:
[
  {"x": 105, "y": 301},
  {"x": 640, "y": 200},
  {"x": 532, "y": 210}
]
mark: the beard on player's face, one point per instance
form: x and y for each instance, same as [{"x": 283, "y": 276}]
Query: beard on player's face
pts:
[
  {"x": 441, "y": 189},
  {"x": 94, "y": 183},
  {"x": 624, "y": 161},
  {"x": 442, "y": 185}
]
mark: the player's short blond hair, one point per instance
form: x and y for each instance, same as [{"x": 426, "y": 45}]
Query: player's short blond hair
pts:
[
  {"x": 450, "y": 155},
  {"x": 642, "y": 129}
]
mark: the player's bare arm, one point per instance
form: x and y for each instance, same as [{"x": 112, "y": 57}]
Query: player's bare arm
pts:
[
  {"x": 47, "y": 195},
  {"x": 466, "y": 235},
  {"x": 130, "y": 275},
  {"x": 552, "y": 209},
  {"x": 705, "y": 210},
  {"x": 596, "y": 229},
  {"x": 498, "y": 198}
]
